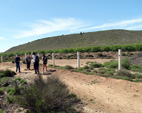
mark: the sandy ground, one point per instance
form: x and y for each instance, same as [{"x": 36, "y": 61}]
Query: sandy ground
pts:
[
  {"x": 99, "y": 94},
  {"x": 73, "y": 62}
]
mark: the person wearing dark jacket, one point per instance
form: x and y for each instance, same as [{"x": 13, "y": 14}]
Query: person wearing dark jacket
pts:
[
  {"x": 36, "y": 62},
  {"x": 17, "y": 61},
  {"x": 28, "y": 62}
]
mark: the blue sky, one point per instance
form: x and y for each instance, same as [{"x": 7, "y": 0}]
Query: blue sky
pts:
[{"x": 22, "y": 21}]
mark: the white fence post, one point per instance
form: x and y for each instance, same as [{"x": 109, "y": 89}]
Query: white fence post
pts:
[
  {"x": 1, "y": 59},
  {"x": 78, "y": 59},
  {"x": 25, "y": 55},
  {"x": 119, "y": 59},
  {"x": 16, "y": 55},
  {"x": 53, "y": 59}
]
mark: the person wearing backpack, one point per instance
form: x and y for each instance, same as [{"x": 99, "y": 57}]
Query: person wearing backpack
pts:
[
  {"x": 44, "y": 59},
  {"x": 28, "y": 62},
  {"x": 36, "y": 62}
]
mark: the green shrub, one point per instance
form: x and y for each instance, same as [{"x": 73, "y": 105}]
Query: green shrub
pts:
[
  {"x": 4, "y": 79},
  {"x": 111, "y": 64},
  {"x": 47, "y": 96},
  {"x": 138, "y": 76},
  {"x": 7, "y": 73},
  {"x": 88, "y": 70},
  {"x": 126, "y": 63},
  {"x": 17, "y": 79},
  {"x": 10, "y": 99},
  {"x": 137, "y": 68},
  {"x": 106, "y": 71},
  {"x": 95, "y": 65},
  {"x": 72, "y": 95},
  {"x": 68, "y": 67},
  {"x": 23, "y": 81},
  {"x": 2, "y": 88},
  {"x": 137, "y": 80},
  {"x": 1, "y": 73},
  {"x": 123, "y": 77},
  {"x": 128, "y": 48},
  {"x": 81, "y": 69},
  {"x": 88, "y": 62},
  {"x": 86, "y": 67},
  {"x": 124, "y": 54},
  {"x": 50, "y": 65},
  {"x": 125, "y": 73},
  {"x": 11, "y": 91},
  {"x": 1, "y": 111},
  {"x": 20, "y": 80},
  {"x": 96, "y": 49}
]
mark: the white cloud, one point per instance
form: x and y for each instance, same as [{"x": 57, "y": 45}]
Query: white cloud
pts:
[
  {"x": 45, "y": 26},
  {"x": 126, "y": 24},
  {"x": 73, "y": 25}
]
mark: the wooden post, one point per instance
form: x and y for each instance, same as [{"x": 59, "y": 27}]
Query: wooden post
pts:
[
  {"x": 78, "y": 59},
  {"x": 1, "y": 59},
  {"x": 119, "y": 59},
  {"x": 53, "y": 59}
]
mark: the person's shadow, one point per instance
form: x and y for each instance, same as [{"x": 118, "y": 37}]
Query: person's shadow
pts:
[
  {"x": 46, "y": 74},
  {"x": 52, "y": 70},
  {"x": 49, "y": 72}
]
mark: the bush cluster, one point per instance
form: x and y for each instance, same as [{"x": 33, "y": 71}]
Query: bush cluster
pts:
[
  {"x": 7, "y": 73},
  {"x": 129, "y": 48},
  {"x": 1, "y": 111},
  {"x": 50, "y": 96}
]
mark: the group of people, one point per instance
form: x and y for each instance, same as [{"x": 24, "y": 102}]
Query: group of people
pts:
[{"x": 35, "y": 60}]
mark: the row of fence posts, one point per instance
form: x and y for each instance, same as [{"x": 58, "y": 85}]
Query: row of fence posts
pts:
[{"x": 78, "y": 59}]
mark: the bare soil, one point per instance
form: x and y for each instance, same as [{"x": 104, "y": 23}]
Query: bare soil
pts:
[{"x": 99, "y": 94}]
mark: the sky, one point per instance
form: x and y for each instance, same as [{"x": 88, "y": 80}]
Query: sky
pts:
[{"x": 23, "y": 21}]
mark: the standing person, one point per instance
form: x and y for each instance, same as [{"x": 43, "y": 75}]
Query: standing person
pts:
[
  {"x": 36, "y": 62},
  {"x": 44, "y": 59},
  {"x": 28, "y": 62},
  {"x": 17, "y": 61}
]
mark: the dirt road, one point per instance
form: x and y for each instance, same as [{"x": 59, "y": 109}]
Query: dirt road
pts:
[{"x": 99, "y": 94}]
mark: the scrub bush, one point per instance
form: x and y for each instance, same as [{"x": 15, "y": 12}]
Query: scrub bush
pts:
[{"x": 50, "y": 96}]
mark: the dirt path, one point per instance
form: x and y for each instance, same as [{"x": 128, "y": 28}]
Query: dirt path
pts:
[
  {"x": 99, "y": 94},
  {"x": 110, "y": 95}
]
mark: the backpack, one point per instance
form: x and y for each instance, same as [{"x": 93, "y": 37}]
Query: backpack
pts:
[
  {"x": 28, "y": 59},
  {"x": 37, "y": 59},
  {"x": 45, "y": 59}
]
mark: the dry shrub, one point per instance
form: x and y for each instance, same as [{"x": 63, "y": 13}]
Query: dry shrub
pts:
[
  {"x": 68, "y": 67},
  {"x": 50, "y": 96},
  {"x": 7, "y": 73}
]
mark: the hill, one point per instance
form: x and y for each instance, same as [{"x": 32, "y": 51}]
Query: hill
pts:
[{"x": 89, "y": 39}]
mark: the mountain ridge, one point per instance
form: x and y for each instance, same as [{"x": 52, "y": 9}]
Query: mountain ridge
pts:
[{"x": 88, "y": 39}]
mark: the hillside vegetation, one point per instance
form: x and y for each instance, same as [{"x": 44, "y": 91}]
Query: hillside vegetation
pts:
[{"x": 90, "y": 39}]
